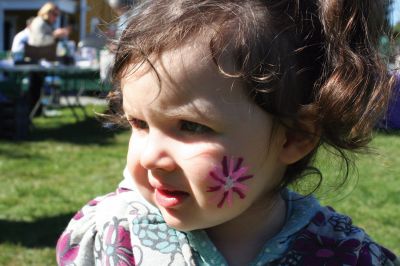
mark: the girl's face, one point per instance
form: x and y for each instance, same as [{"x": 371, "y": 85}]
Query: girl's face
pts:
[{"x": 200, "y": 150}]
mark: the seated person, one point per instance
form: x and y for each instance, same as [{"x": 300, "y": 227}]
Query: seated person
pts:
[
  {"x": 42, "y": 32},
  {"x": 19, "y": 41}
]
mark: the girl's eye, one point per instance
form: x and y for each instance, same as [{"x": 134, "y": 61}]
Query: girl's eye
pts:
[
  {"x": 195, "y": 128},
  {"x": 138, "y": 124}
]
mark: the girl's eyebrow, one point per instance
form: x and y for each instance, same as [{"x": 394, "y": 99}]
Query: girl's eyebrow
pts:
[
  {"x": 190, "y": 113},
  {"x": 197, "y": 110}
]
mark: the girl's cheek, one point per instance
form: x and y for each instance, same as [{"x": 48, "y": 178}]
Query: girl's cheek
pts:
[
  {"x": 133, "y": 161},
  {"x": 225, "y": 182},
  {"x": 200, "y": 151}
]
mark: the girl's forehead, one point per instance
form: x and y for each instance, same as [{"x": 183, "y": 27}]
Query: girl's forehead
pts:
[
  {"x": 188, "y": 59},
  {"x": 186, "y": 77},
  {"x": 191, "y": 64}
]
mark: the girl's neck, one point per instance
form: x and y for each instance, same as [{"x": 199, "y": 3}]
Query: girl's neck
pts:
[{"x": 241, "y": 239}]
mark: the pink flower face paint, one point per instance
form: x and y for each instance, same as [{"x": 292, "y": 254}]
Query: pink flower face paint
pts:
[{"x": 228, "y": 180}]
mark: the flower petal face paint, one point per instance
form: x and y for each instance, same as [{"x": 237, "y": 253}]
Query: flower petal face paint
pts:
[{"x": 228, "y": 180}]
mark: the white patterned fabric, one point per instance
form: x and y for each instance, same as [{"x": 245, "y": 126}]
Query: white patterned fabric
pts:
[{"x": 123, "y": 229}]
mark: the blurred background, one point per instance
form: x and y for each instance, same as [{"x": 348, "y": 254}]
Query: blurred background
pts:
[{"x": 84, "y": 16}]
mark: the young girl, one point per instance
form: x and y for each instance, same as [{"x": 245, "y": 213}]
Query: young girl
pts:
[{"x": 228, "y": 102}]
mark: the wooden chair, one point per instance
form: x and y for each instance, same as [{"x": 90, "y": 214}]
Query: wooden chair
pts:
[{"x": 35, "y": 53}]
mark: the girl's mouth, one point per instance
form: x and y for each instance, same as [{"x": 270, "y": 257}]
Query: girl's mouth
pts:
[{"x": 170, "y": 198}]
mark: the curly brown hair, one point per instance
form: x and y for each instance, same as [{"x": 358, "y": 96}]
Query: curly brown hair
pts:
[{"x": 298, "y": 59}]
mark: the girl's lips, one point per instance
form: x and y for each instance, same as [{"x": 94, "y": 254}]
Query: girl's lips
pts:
[{"x": 170, "y": 198}]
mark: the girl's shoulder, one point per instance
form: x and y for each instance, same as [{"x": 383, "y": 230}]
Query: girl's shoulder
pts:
[
  {"x": 104, "y": 216},
  {"x": 330, "y": 238},
  {"x": 121, "y": 228}
]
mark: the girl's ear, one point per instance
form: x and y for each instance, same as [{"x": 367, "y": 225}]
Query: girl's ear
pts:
[{"x": 297, "y": 144}]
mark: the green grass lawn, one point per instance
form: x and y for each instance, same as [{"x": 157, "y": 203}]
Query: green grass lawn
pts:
[
  {"x": 66, "y": 163},
  {"x": 46, "y": 179}
]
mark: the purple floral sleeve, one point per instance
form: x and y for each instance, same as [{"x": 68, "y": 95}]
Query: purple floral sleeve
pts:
[
  {"x": 331, "y": 239},
  {"x": 65, "y": 250},
  {"x": 114, "y": 245},
  {"x": 91, "y": 239}
]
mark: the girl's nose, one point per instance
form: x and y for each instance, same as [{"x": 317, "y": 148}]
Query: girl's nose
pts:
[{"x": 155, "y": 154}]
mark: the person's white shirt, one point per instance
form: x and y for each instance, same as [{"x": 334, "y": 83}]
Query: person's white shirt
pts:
[{"x": 19, "y": 41}]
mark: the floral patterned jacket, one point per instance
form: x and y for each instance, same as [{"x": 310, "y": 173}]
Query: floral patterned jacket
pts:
[{"x": 122, "y": 229}]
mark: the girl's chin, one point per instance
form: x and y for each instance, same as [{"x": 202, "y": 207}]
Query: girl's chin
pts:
[{"x": 177, "y": 224}]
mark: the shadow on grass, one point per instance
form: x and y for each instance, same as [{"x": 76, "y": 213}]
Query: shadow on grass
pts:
[
  {"x": 87, "y": 131},
  {"x": 37, "y": 234}
]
